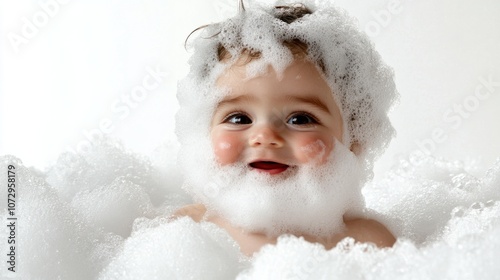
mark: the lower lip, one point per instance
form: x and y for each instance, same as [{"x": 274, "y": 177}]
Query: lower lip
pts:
[{"x": 273, "y": 171}]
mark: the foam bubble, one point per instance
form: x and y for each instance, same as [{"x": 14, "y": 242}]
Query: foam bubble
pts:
[
  {"x": 418, "y": 199},
  {"x": 262, "y": 203},
  {"x": 106, "y": 160},
  {"x": 472, "y": 256},
  {"x": 122, "y": 201},
  {"x": 181, "y": 249},
  {"x": 50, "y": 230},
  {"x": 76, "y": 214}
]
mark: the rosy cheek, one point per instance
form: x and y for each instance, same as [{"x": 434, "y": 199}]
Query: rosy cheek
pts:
[
  {"x": 314, "y": 149},
  {"x": 227, "y": 147}
]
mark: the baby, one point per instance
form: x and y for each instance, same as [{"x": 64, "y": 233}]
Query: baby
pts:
[{"x": 282, "y": 115}]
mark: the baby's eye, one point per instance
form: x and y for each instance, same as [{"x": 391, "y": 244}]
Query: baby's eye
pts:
[
  {"x": 238, "y": 118},
  {"x": 301, "y": 119}
]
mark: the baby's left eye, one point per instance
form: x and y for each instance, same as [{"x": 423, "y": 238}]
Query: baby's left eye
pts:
[{"x": 301, "y": 119}]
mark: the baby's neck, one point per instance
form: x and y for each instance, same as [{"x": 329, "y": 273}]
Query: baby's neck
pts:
[
  {"x": 249, "y": 242},
  {"x": 252, "y": 242},
  {"x": 360, "y": 229}
]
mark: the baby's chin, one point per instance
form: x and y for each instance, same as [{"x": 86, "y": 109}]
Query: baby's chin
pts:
[{"x": 306, "y": 198}]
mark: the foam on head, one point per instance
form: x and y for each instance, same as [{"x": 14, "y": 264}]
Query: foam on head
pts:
[{"x": 361, "y": 83}]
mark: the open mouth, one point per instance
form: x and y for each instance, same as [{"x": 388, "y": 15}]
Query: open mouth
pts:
[{"x": 270, "y": 167}]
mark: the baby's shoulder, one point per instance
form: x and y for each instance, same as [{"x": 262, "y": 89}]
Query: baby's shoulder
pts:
[
  {"x": 367, "y": 230},
  {"x": 195, "y": 211}
]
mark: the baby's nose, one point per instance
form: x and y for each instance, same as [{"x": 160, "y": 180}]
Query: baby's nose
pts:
[{"x": 266, "y": 136}]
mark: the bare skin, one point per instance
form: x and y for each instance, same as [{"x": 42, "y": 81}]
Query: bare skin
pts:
[{"x": 361, "y": 230}]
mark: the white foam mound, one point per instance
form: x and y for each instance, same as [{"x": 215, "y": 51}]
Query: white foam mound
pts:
[
  {"x": 447, "y": 220},
  {"x": 426, "y": 192},
  {"x": 472, "y": 257},
  {"x": 181, "y": 249},
  {"x": 52, "y": 240}
]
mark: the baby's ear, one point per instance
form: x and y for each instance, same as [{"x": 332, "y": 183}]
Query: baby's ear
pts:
[{"x": 356, "y": 148}]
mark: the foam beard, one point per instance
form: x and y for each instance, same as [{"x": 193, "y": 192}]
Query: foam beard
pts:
[{"x": 308, "y": 199}]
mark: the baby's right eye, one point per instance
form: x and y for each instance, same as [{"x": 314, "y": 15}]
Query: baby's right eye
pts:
[{"x": 238, "y": 118}]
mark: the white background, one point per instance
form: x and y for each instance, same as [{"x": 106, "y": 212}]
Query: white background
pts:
[{"x": 64, "y": 80}]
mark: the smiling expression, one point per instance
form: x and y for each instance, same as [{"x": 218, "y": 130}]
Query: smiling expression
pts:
[{"x": 272, "y": 124}]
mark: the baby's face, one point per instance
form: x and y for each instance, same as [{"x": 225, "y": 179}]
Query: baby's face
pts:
[{"x": 272, "y": 124}]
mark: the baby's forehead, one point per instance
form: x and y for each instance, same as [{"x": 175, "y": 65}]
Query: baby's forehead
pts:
[
  {"x": 300, "y": 82},
  {"x": 296, "y": 70}
]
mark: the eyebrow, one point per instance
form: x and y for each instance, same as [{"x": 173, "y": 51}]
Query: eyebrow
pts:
[
  {"x": 314, "y": 101},
  {"x": 237, "y": 99}
]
